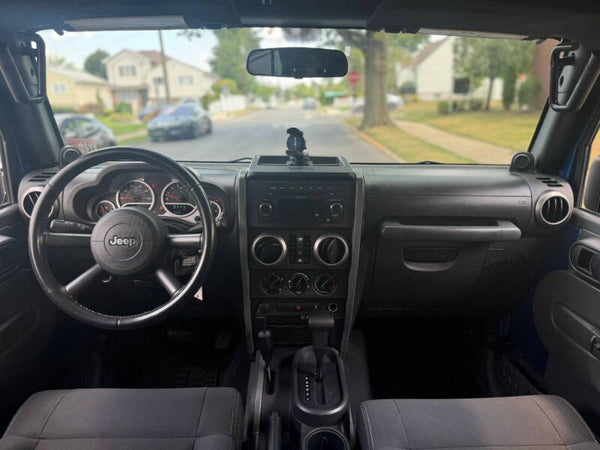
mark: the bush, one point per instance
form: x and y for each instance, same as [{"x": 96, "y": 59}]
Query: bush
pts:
[
  {"x": 528, "y": 91},
  {"x": 91, "y": 108},
  {"x": 459, "y": 105},
  {"x": 475, "y": 104},
  {"x": 412, "y": 99},
  {"x": 443, "y": 107},
  {"x": 63, "y": 110},
  {"x": 116, "y": 117},
  {"x": 123, "y": 108},
  {"x": 408, "y": 88}
]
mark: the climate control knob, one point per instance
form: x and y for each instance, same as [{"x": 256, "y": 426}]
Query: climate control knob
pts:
[
  {"x": 299, "y": 283},
  {"x": 336, "y": 209},
  {"x": 325, "y": 283},
  {"x": 265, "y": 209},
  {"x": 272, "y": 284}
]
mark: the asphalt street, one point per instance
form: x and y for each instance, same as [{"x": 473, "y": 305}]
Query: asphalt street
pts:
[{"x": 264, "y": 132}]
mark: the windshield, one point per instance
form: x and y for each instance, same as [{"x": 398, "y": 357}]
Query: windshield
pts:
[{"x": 407, "y": 98}]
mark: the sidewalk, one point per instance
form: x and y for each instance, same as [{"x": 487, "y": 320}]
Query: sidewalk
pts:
[{"x": 478, "y": 151}]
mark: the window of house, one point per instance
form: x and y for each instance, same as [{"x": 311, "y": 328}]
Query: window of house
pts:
[
  {"x": 59, "y": 88},
  {"x": 127, "y": 71},
  {"x": 186, "y": 80},
  {"x": 126, "y": 96},
  {"x": 158, "y": 81}
]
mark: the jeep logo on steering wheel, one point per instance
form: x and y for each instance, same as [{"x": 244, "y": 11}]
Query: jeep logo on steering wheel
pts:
[{"x": 122, "y": 241}]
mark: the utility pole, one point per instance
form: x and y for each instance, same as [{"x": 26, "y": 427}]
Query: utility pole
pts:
[{"x": 163, "y": 62}]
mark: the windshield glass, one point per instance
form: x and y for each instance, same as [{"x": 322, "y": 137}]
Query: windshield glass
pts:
[{"x": 406, "y": 98}]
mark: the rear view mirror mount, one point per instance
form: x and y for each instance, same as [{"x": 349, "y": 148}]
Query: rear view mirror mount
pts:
[
  {"x": 297, "y": 62},
  {"x": 573, "y": 72}
]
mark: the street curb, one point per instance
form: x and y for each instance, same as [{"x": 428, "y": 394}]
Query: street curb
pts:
[{"x": 382, "y": 148}]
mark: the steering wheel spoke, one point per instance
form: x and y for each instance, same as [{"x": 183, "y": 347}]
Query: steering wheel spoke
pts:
[
  {"x": 191, "y": 241},
  {"x": 72, "y": 240},
  {"x": 84, "y": 281},
  {"x": 168, "y": 280}
]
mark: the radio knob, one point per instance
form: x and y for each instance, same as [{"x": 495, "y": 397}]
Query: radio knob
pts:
[
  {"x": 265, "y": 208},
  {"x": 336, "y": 209}
]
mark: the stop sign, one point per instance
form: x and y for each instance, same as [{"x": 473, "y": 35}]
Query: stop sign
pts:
[{"x": 354, "y": 77}]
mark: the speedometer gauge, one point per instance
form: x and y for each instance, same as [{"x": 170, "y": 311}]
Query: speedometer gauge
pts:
[
  {"x": 176, "y": 199},
  {"x": 135, "y": 193}
]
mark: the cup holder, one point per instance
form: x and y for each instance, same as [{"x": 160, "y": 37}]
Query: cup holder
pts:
[{"x": 325, "y": 439}]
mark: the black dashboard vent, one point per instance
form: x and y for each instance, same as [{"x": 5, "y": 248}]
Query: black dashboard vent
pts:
[
  {"x": 549, "y": 181},
  {"x": 43, "y": 176},
  {"x": 29, "y": 201},
  {"x": 553, "y": 208}
]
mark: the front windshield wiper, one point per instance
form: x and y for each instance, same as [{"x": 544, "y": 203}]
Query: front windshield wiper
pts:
[{"x": 428, "y": 162}]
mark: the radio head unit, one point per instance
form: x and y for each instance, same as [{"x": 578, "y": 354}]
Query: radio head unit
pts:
[{"x": 301, "y": 203}]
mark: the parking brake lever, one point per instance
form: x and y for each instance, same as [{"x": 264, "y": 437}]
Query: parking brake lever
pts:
[{"x": 265, "y": 345}]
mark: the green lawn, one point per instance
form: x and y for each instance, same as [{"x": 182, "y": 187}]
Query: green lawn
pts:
[
  {"x": 507, "y": 129},
  {"x": 411, "y": 149},
  {"x": 120, "y": 127},
  {"x": 132, "y": 140}
]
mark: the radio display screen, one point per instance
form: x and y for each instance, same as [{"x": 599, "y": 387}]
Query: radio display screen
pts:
[{"x": 298, "y": 206}]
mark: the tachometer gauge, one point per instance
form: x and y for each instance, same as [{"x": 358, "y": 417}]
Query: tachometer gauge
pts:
[
  {"x": 103, "y": 207},
  {"x": 217, "y": 208},
  {"x": 176, "y": 199},
  {"x": 135, "y": 193}
]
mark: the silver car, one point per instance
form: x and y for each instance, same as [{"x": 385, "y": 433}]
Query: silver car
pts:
[{"x": 82, "y": 126}]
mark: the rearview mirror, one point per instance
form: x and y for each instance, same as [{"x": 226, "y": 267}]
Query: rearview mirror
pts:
[{"x": 297, "y": 62}]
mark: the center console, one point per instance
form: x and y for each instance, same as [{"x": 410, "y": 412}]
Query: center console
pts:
[
  {"x": 299, "y": 246},
  {"x": 300, "y": 227}
]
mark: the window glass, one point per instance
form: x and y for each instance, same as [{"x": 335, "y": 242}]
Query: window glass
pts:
[{"x": 446, "y": 99}]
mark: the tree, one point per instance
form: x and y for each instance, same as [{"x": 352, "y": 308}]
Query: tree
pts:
[
  {"x": 93, "y": 63},
  {"x": 229, "y": 55},
  {"x": 481, "y": 58},
  {"x": 59, "y": 61}
]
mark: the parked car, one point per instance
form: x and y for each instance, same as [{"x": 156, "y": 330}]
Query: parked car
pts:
[
  {"x": 186, "y": 120},
  {"x": 149, "y": 112},
  {"x": 393, "y": 102},
  {"x": 83, "y": 126},
  {"x": 310, "y": 103}
]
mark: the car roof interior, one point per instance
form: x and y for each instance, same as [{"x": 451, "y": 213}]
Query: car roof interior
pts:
[{"x": 288, "y": 300}]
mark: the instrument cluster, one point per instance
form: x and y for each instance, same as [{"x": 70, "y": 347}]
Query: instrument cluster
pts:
[{"x": 166, "y": 197}]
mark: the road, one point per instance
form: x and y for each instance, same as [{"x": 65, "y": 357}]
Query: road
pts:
[{"x": 264, "y": 132}]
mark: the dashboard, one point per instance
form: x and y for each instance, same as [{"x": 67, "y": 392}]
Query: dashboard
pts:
[{"x": 372, "y": 240}]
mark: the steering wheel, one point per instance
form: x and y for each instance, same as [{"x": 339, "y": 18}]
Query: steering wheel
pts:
[{"x": 126, "y": 241}]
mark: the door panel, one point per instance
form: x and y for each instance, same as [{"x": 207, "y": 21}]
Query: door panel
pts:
[
  {"x": 26, "y": 317},
  {"x": 566, "y": 309}
]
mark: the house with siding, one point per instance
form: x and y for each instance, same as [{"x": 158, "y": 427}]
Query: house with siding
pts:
[
  {"x": 432, "y": 71},
  {"x": 71, "y": 89},
  {"x": 136, "y": 78}
]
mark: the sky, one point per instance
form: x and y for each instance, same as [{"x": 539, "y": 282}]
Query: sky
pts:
[{"x": 76, "y": 46}]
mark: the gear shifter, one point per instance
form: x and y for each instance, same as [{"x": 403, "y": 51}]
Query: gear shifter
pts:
[
  {"x": 265, "y": 345},
  {"x": 321, "y": 323}
]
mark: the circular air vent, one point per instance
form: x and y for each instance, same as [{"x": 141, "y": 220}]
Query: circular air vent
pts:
[
  {"x": 269, "y": 249},
  {"x": 331, "y": 250},
  {"x": 552, "y": 208},
  {"x": 29, "y": 200}
]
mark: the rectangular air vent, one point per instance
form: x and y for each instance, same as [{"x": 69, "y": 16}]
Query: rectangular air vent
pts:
[
  {"x": 45, "y": 175},
  {"x": 549, "y": 181}
]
